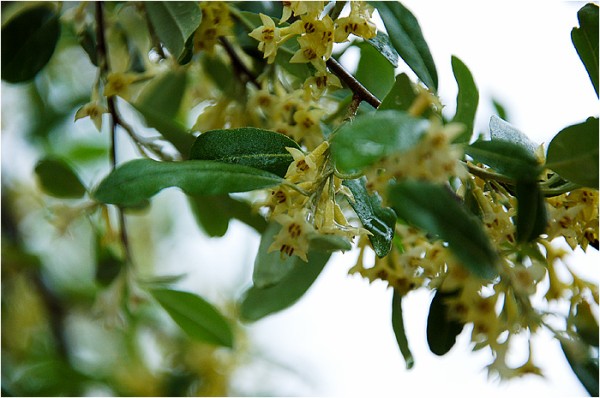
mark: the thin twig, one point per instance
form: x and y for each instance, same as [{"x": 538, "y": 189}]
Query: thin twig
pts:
[{"x": 354, "y": 85}]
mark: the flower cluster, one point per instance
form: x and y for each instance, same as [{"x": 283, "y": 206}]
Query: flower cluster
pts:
[
  {"x": 216, "y": 22},
  {"x": 315, "y": 34},
  {"x": 306, "y": 205}
]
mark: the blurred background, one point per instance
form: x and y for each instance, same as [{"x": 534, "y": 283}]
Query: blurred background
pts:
[{"x": 337, "y": 340}]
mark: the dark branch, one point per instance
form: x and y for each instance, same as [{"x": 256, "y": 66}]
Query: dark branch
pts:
[
  {"x": 354, "y": 85},
  {"x": 237, "y": 62}
]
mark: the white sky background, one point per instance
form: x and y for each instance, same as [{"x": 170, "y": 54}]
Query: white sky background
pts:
[{"x": 340, "y": 333}]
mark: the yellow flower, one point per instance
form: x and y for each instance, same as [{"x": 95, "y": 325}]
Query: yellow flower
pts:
[
  {"x": 118, "y": 83},
  {"x": 358, "y": 23},
  {"x": 317, "y": 84},
  {"x": 306, "y": 167},
  {"x": 293, "y": 238},
  {"x": 268, "y": 35},
  {"x": 216, "y": 22},
  {"x": 297, "y": 8},
  {"x": 93, "y": 110}
]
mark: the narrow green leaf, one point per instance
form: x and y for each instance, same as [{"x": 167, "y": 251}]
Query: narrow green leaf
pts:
[
  {"x": 270, "y": 268},
  {"x": 171, "y": 131},
  {"x": 213, "y": 213},
  {"x": 371, "y": 136},
  {"x": 138, "y": 180},
  {"x": 372, "y": 60},
  {"x": 163, "y": 94},
  {"x": 398, "y": 326},
  {"x": 198, "y": 318},
  {"x": 174, "y": 22},
  {"x": 434, "y": 209},
  {"x": 108, "y": 263},
  {"x": 501, "y": 130},
  {"x": 258, "y": 303},
  {"x": 506, "y": 157},
  {"x": 573, "y": 153},
  {"x": 467, "y": 99},
  {"x": 381, "y": 42},
  {"x": 406, "y": 36},
  {"x": 442, "y": 329},
  {"x": 585, "y": 323},
  {"x": 28, "y": 42},
  {"x": 262, "y": 149},
  {"x": 58, "y": 179},
  {"x": 401, "y": 95},
  {"x": 531, "y": 211},
  {"x": 500, "y": 109},
  {"x": 585, "y": 40},
  {"x": 583, "y": 364},
  {"x": 378, "y": 220}
]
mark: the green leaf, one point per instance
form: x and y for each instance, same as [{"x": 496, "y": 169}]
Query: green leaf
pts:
[
  {"x": 163, "y": 94},
  {"x": 213, "y": 213},
  {"x": 583, "y": 363},
  {"x": 174, "y": 22},
  {"x": 466, "y": 99},
  {"x": 108, "y": 263},
  {"x": 171, "y": 131},
  {"x": 381, "y": 42},
  {"x": 531, "y": 211},
  {"x": 199, "y": 319},
  {"x": 371, "y": 136},
  {"x": 398, "y": 326},
  {"x": 500, "y": 109},
  {"x": 372, "y": 60},
  {"x": 585, "y": 40},
  {"x": 506, "y": 157},
  {"x": 585, "y": 323},
  {"x": 435, "y": 209},
  {"x": 262, "y": 149},
  {"x": 58, "y": 179},
  {"x": 406, "y": 36},
  {"x": 501, "y": 130},
  {"x": 28, "y": 42},
  {"x": 328, "y": 243},
  {"x": 378, "y": 220},
  {"x": 442, "y": 329},
  {"x": 258, "y": 303},
  {"x": 573, "y": 153},
  {"x": 138, "y": 180},
  {"x": 401, "y": 96}
]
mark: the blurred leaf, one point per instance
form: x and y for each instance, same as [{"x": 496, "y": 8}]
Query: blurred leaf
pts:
[
  {"x": 585, "y": 323},
  {"x": 398, "y": 326},
  {"x": 378, "y": 220},
  {"x": 249, "y": 146},
  {"x": 506, "y": 157},
  {"x": 163, "y": 94},
  {"x": 434, "y": 209},
  {"x": 531, "y": 211},
  {"x": 28, "y": 42},
  {"x": 172, "y": 131},
  {"x": 328, "y": 243},
  {"x": 401, "y": 96},
  {"x": 384, "y": 46},
  {"x": 258, "y": 303},
  {"x": 466, "y": 99},
  {"x": 108, "y": 264},
  {"x": 270, "y": 268},
  {"x": 138, "y": 180},
  {"x": 585, "y": 40},
  {"x": 501, "y": 130},
  {"x": 213, "y": 213},
  {"x": 273, "y": 9},
  {"x": 583, "y": 363},
  {"x": 372, "y": 60},
  {"x": 199, "y": 319},
  {"x": 58, "y": 179},
  {"x": 371, "y": 136},
  {"x": 441, "y": 328},
  {"x": 406, "y": 36},
  {"x": 573, "y": 153},
  {"x": 219, "y": 72},
  {"x": 500, "y": 109},
  {"x": 174, "y": 22}
]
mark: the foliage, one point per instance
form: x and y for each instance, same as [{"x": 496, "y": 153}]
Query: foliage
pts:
[{"x": 257, "y": 121}]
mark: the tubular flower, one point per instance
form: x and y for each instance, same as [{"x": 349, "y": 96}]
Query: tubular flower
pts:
[
  {"x": 93, "y": 110},
  {"x": 216, "y": 22},
  {"x": 358, "y": 23},
  {"x": 268, "y": 35},
  {"x": 293, "y": 238}
]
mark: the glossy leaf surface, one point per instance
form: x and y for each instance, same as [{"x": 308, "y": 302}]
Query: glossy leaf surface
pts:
[
  {"x": 573, "y": 153},
  {"x": 198, "y": 318},
  {"x": 138, "y": 180},
  {"x": 174, "y": 22},
  {"x": 406, "y": 36},
  {"x": 434, "y": 209},
  {"x": 262, "y": 149},
  {"x": 378, "y": 220},
  {"x": 371, "y": 136},
  {"x": 28, "y": 42}
]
